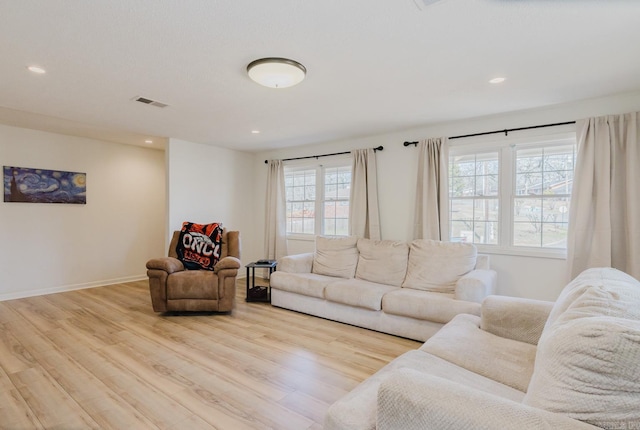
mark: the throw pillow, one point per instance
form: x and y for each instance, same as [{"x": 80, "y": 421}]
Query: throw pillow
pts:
[
  {"x": 335, "y": 256},
  {"x": 382, "y": 261},
  {"x": 436, "y": 266},
  {"x": 588, "y": 369},
  {"x": 199, "y": 245}
]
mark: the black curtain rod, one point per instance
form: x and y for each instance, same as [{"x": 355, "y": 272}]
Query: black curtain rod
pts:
[
  {"x": 505, "y": 131},
  {"x": 379, "y": 148}
]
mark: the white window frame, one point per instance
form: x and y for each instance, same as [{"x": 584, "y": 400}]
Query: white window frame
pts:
[
  {"x": 319, "y": 167},
  {"x": 506, "y": 146}
]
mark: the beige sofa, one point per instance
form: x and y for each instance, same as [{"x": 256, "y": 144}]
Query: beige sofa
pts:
[
  {"x": 523, "y": 364},
  {"x": 405, "y": 289}
]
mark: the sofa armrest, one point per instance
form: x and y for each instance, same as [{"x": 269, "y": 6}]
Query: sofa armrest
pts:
[
  {"x": 227, "y": 263},
  {"x": 515, "y": 318},
  {"x": 476, "y": 285},
  {"x": 168, "y": 264},
  {"x": 298, "y": 263},
  {"x": 412, "y": 400}
]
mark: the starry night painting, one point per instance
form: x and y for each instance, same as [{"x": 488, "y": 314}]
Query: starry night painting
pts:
[{"x": 22, "y": 184}]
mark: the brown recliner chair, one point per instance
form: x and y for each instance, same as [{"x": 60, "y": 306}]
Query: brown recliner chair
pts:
[{"x": 175, "y": 289}]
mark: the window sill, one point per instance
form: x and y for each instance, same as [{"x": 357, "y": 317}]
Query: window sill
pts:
[
  {"x": 556, "y": 254},
  {"x": 302, "y": 237}
]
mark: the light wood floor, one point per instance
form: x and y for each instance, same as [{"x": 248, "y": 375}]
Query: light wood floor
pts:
[{"x": 101, "y": 358}]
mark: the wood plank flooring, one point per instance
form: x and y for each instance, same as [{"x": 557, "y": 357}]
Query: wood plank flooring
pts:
[{"x": 101, "y": 358}]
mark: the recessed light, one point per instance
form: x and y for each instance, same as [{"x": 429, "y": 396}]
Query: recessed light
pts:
[
  {"x": 255, "y": 131},
  {"x": 148, "y": 141},
  {"x": 36, "y": 69},
  {"x": 498, "y": 80}
]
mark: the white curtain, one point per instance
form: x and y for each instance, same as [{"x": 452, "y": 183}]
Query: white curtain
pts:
[
  {"x": 364, "y": 214},
  {"x": 604, "y": 222},
  {"x": 275, "y": 238},
  {"x": 431, "y": 217}
]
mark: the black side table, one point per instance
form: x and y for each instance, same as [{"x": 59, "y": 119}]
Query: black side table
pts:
[{"x": 253, "y": 291}]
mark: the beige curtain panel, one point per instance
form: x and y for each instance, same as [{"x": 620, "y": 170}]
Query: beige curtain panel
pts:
[
  {"x": 364, "y": 214},
  {"x": 604, "y": 222},
  {"x": 275, "y": 239},
  {"x": 431, "y": 217}
]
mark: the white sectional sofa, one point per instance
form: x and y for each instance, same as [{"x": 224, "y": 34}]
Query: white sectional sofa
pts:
[
  {"x": 405, "y": 289},
  {"x": 523, "y": 364}
]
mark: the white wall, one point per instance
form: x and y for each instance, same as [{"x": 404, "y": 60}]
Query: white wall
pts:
[
  {"x": 47, "y": 248},
  {"x": 540, "y": 278},
  {"x": 211, "y": 184}
]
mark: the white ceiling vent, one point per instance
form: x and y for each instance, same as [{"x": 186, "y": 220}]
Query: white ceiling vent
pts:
[{"x": 150, "y": 102}]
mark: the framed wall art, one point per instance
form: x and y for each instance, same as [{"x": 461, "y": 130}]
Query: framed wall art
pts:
[{"x": 29, "y": 185}]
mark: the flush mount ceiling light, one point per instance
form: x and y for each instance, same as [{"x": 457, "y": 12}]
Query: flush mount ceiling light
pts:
[
  {"x": 276, "y": 72},
  {"x": 497, "y": 80}
]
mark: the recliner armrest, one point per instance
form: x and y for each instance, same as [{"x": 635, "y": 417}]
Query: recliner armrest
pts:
[
  {"x": 298, "y": 263},
  {"x": 515, "y": 318},
  {"x": 412, "y": 400},
  {"x": 227, "y": 263},
  {"x": 168, "y": 264},
  {"x": 476, "y": 285}
]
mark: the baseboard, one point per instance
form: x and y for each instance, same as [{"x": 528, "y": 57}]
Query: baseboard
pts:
[{"x": 64, "y": 288}]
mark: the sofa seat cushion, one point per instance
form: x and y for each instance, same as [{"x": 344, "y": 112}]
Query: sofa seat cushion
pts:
[
  {"x": 462, "y": 342},
  {"x": 437, "y": 266},
  {"x": 357, "y": 410},
  {"x": 424, "y": 305},
  {"x": 382, "y": 261},
  {"x": 356, "y": 292},
  {"x": 192, "y": 284},
  {"x": 336, "y": 256},
  {"x": 306, "y": 284}
]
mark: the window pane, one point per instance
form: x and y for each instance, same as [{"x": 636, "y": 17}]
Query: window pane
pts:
[
  {"x": 487, "y": 164},
  {"x": 554, "y": 235},
  {"x": 342, "y": 209},
  {"x": 461, "y": 209},
  {"x": 298, "y": 193},
  {"x": 463, "y": 186},
  {"x": 330, "y": 192},
  {"x": 342, "y": 227},
  {"x": 309, "y": 226},
  {"x": 344, "y": 190},
  {"x": 462, "y": 231},
  {"x": 485, "y": 232},
  {"x": 487, "y": 185},
  {"x": 485, "y": 209},
  {"x": 527, "y": 234},
  {"x": 329, "y": 209}
]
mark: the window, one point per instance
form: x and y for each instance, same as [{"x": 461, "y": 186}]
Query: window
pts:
[
  {"x": 543, "y": 181},
  {"x": 473, "y": 197},
  {"x": 318, "y": 200},
  {"x": 512, "y": 195}
]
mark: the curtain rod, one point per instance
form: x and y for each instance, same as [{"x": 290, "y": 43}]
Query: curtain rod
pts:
[
  {"x": 379, "y": 148},
  {"x": 505, "y": 131}
]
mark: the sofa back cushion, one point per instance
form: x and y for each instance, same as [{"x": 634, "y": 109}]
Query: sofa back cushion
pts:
[
  {"x": 335, "y": 256},
  {"x": 382, "y": 261},
  {"x": 599, "y": 291},
  {"x": 437, "y": 266},
  {"x": 588, "y": 359}
]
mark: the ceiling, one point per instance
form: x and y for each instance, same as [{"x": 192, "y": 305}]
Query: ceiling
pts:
[{"x": 374, "y": 66}]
